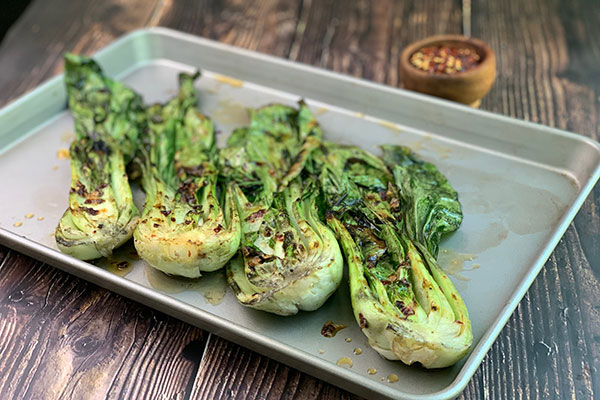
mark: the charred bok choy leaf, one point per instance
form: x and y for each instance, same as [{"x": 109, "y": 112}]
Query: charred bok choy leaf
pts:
[
  {"x": 401, "y": 298},
  {"x": 189, "y": 224},
  {"x": 431, "y": 207},
  {"x": 108, "y": 119},
  {"x": 289, "y": 259}
]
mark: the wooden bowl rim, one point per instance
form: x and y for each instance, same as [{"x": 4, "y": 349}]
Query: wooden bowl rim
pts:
[{"x": 487, "y": 55}]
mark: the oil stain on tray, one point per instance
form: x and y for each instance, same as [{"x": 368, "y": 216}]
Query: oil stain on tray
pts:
[
  {"x": 212, "y": 285},
  {"x": 453, "y": 263},
  {"x": 230, "y": 113}
]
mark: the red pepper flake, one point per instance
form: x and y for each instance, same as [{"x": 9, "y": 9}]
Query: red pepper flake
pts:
[
  {"x": 218, "y": 229},
  {"x": 448, "y": 60}
]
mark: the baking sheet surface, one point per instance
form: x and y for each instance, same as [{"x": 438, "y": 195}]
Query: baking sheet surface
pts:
[{"x": 512, "y": 210}]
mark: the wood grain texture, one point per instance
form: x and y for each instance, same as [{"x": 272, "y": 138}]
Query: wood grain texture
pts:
[
  {"x": 63, "y": 338},
  {"x": 229, "y": 371},
  {"x": 266, "y": 26},
  {"x": 32, "y": 50},
  {"x": 365, "y": 38},
  {"x": 548, "y": 52}
]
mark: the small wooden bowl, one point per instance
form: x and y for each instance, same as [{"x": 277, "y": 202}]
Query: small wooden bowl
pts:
[{"x": 466, "y": 87}]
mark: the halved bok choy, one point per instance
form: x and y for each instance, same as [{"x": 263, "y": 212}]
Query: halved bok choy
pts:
[
  {"x": 402, "y": 300},
  {"x": 109, "y": 117},
  {"x": 189, "y": 224},
  {"x": 289, "y": 259}
]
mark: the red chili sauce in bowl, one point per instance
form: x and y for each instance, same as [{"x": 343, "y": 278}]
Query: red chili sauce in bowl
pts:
[{"x": 438, "y": 60}]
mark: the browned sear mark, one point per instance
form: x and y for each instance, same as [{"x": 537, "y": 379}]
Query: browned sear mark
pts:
[
  {"x": 89, "y": 210},
  {"x": 80, "y": 189},
  {"x": 363, "y": 321},
  {"x": 404, "y": 309},
  {"x": 256, "y": 214},
  {"x": 94, "y": 201}
]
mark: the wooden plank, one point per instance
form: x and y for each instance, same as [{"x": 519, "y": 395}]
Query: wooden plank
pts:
[
  {"x": 64, "y": 338},
  {"x": 365, "y": 38},
  {"x": 229, "y": 371},
  {"x": 553, "y": 84},
  {"x": 546, "y": 53},
  {"x": 266, "y": 26},
  {"x": 11, "y": 11},
  {"x": 33, "y": 48}
]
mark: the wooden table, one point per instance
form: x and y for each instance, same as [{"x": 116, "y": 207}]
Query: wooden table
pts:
[{"x": 61, "y": 337}]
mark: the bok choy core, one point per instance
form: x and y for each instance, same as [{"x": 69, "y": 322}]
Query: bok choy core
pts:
[
  {"x": 289, "y": 259},
  {"x": 189, "y": 224},
  {"x": 108, "y": 119},
  {"x": 402, "y": 300}
]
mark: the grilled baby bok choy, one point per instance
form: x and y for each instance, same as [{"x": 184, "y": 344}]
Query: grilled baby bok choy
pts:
[
  {"x": 289, "y": 259},
  {"x": 189, "y": 224},
  {"x": 108, "y": 119},
  {"x": 402, "y": 300}
]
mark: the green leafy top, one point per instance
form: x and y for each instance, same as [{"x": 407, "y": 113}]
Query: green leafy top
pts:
[
  {"x": 430, "y": 205},
  {"x": 359, "y": 192},
  {"x": 101, "y": 106},
  {"x": 265, "y": 156},
  {"x": 181, "y": 152}
]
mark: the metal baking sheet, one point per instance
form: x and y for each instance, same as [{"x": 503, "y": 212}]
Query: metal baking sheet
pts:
[{"x": 520, "y": 185}]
